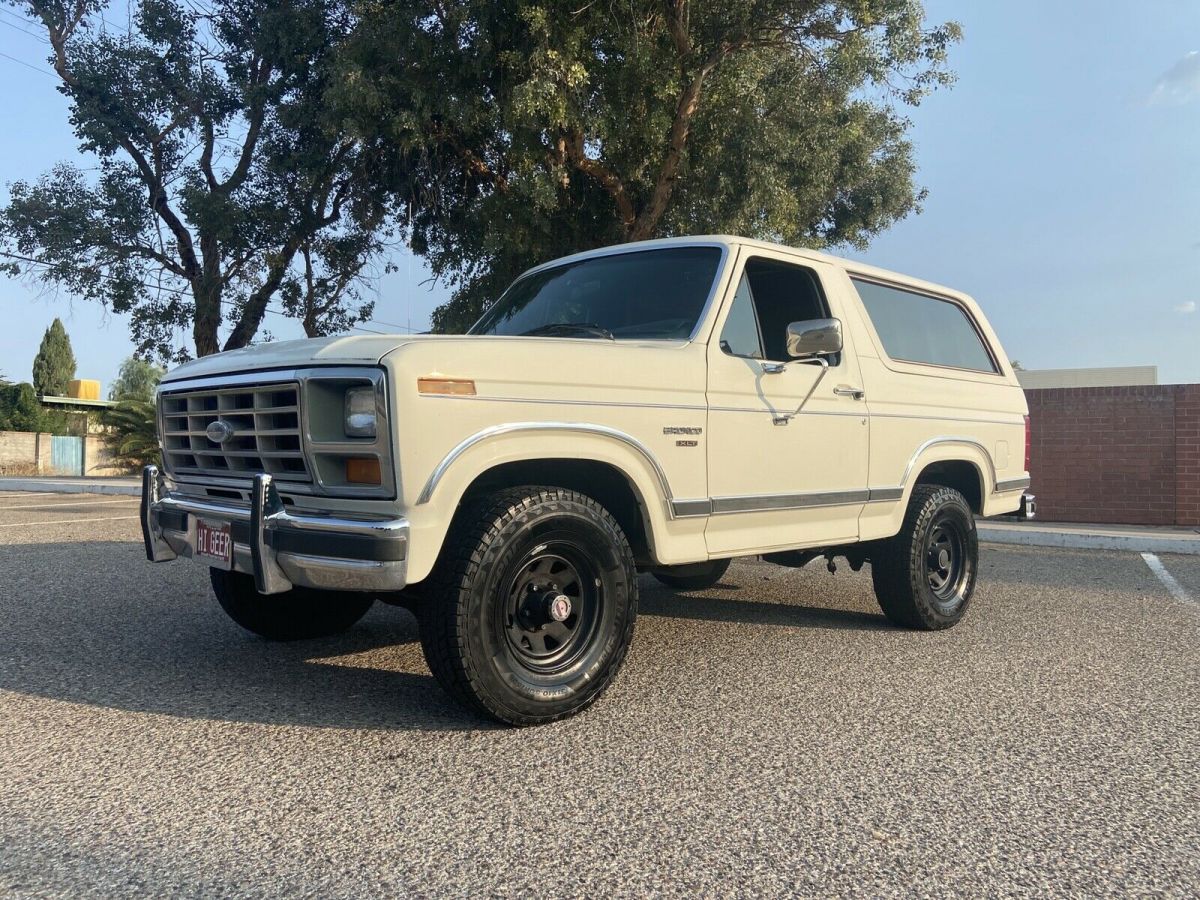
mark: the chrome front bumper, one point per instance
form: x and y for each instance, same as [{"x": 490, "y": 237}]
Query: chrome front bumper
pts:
[{"x": 281, "y": 549}]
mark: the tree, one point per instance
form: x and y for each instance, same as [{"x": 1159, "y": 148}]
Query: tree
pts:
[
  {"x": 20, "y": 410},
  {"x": 54, "y": 365},
  {"x": 545, "y": 128},
  {"x": 132, "y": 432},
  {"x": 137, "y": 379},
  {"x": 222, "y": 183}
]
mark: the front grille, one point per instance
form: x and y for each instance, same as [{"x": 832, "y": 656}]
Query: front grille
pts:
[{"x": 265, "y": 421}]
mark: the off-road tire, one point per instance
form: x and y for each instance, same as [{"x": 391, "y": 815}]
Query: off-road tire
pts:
[
  {"x": 294, "y": 615},
  {"x": 905, "y": 567},
  {"x": 473, "y": 640},
  {"x": 693, "y": 577}
]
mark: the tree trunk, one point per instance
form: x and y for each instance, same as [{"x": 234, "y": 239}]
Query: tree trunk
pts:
[{"x": 208, "y": 317}]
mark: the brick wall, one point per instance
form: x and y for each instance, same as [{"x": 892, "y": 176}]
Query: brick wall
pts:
[{"x": 1124, "y": 455}]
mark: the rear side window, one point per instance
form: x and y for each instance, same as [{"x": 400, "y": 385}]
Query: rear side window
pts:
[{"x": 923, "y": 329}]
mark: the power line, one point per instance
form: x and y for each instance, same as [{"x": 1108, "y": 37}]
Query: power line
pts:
[
  {"x": 15, "y": 27},
  {"x": 229, "y": 304},
  {"x": 22, "y": 62},
  {"x": 40, "y": 262}
]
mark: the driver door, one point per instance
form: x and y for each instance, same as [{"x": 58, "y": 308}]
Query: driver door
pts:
[{"x": 779, "y": 478}]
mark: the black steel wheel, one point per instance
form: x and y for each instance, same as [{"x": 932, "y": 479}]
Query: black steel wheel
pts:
[
  {"x": 554, "y": 606},
  {"x": 529, "y": 611},
  {"x": 924, "y": 577}
]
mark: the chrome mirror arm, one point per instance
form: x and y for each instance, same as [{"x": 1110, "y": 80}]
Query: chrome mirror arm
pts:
[{"x": 818, "y": 361}]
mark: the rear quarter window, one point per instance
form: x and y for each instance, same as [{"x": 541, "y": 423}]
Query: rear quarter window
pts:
[{"x": 919, "y": 328}]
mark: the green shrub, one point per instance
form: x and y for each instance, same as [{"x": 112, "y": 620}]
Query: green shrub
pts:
[{"x": 133, "y": 437}]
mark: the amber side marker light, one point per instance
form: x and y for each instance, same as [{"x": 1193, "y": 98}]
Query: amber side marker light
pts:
[
  {"x": 460, "y": 387},
  {"x": 363, "y": 470}
]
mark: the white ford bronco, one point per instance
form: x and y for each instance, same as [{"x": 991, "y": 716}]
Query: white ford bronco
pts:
[{"x": 660, "y": 407}]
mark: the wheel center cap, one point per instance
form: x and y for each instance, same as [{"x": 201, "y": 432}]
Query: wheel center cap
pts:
[
  {"x": 943, "y": 559},
  {"x": 560, "y": 608}
]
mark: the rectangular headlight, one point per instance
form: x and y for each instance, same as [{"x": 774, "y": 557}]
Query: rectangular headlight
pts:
[{"x": 360, "y": 412}]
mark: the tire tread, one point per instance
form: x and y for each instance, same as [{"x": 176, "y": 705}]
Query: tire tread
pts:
[
  {"x": 444, "y": 618},
  {"x": 897, "y": 567}
]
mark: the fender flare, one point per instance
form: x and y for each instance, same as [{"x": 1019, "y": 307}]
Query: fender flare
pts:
[
  {"x": 653, "y": 466},
  {"x": 930, "y": 452}
]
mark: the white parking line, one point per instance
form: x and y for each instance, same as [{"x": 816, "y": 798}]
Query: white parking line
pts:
[
  {"x": 1168, "y": 580},
  {"x": 65, "y": 521},
  {"x": 70, "y": 503}
]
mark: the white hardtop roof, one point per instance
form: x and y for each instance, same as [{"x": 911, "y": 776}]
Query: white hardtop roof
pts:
[{"x": 730, "y": 242}]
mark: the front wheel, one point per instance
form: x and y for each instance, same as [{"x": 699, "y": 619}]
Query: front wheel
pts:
[
  {"x": 530, "y": 609},
  {"x": 924, "y": 576},
  {"x": 293, "y": 615}
]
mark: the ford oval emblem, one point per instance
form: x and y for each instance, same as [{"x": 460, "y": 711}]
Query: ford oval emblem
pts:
[{"x": 219, "y": 431}]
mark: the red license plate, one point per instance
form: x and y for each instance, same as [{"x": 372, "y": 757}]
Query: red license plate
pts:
[{"x": 213, "y": 543}]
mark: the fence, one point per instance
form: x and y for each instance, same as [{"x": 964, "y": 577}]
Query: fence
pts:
[{"x": 27, "y": 453}]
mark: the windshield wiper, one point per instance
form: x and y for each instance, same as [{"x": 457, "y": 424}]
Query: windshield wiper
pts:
[{"x": 566, "y": 328}]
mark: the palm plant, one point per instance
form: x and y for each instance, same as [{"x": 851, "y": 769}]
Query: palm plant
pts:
[{"x": 132, "y": 432}]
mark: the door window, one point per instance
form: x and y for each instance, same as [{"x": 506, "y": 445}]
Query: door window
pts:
[
  {"x": 740, "y": 336},
  {"x": 770, "y": 296}
]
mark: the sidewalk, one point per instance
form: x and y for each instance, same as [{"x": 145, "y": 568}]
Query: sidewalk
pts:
[
  {"x": 1085, "y": 536},
  {"x": 63, "y": 484}
]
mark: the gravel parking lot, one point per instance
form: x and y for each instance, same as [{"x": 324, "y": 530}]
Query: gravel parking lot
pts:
[{"x": 770, "y": 736}]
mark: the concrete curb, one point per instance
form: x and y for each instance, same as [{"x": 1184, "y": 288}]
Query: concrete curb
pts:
[
  {"x": 49, "y": 485},
  {"x": 1131, "y": 541}
]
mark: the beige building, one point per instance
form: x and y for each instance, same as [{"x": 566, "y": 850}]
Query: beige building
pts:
[{"x": 1111, "y": 376}]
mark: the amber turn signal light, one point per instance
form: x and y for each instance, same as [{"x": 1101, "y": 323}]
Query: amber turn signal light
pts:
[
  {"x": 453, "y": 386},
  {"x": 363, "y": 470}
]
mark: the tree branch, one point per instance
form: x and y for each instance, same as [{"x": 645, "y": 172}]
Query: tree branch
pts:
[
  {"x": 685, "y": 110},
  {"x": 262, "y": 75},
  {"x": 256, "y": 306},
  {"x": 149, "y": 253},
  {"x": 606, "y": 177}
]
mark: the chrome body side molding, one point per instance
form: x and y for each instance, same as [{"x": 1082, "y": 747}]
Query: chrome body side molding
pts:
[
  {"x": 1011, "y": 484},
  {"x": 715, "y": 506},
  {"x": 570, "y": 427}
]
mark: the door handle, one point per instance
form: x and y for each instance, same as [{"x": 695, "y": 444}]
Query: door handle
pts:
[{"x": 845, "y": 390}]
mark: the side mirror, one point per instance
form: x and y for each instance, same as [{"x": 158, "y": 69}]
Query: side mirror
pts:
[{"x": 814, "y": 337}]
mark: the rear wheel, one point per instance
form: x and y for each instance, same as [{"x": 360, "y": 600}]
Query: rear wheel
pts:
[
  {"x": 293, "y": 615},
  {"x": 924, "y": 577},
  {"x": 694, "y": 577},
  {"x": 529, "y": 612}
]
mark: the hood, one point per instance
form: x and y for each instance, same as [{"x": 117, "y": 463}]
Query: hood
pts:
[
  {"x": 353, "y": 350},
  {"x": 435, "y": 351}
]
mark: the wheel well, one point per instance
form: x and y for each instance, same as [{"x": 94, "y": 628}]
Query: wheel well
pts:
[
  {"x": 959, "y": 474},
  {"x": 602, "y": 482}
]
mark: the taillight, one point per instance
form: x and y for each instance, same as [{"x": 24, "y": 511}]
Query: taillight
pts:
[{"x": 1028, "y": 443}]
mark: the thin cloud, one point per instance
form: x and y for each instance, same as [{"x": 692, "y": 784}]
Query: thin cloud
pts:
[
  {"x": 1186, "y": 308},
  {"x": 1179, "y": 84}
]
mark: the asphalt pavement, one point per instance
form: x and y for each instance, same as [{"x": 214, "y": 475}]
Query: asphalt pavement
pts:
[{"x": 771, "y": 736}]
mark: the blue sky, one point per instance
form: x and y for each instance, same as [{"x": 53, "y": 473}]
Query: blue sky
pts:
[{"x": 1063, "y": 172}]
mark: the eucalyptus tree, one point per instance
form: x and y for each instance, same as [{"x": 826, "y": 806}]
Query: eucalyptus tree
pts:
[
  {"x": 221, "y": 186},
  {"x": 541, "y": 128}
]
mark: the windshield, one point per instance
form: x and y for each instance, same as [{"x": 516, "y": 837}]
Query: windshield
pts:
[{"x": 657, "y": 294}]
